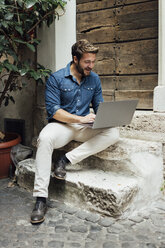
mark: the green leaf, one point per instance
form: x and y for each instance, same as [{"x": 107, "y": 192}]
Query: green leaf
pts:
[
  {"x": 19, "y": 41},
  {"x": 19, "y": 29},
  {"x": 12, "y": 54},
  {"x": 36, "y": 41},
  {"x": 10, "y": 66},
  {"x": 9, "y": 16},
  {"x": 14, "y": 68},
  {"x": 45, "y": 72},
  {"x": 20, "y": 2},
  {"x": 30, "y": 3},
  {"x": 4, "y": 24},
  {"x": 23, "y": 72},
  {"x": 31, "y": 47},
  {"x": 2, "y": 38},
  {"x": 1, "y": 47},
  {"x": 44, "y": 7},
  {"x": 35, "y": 75}
]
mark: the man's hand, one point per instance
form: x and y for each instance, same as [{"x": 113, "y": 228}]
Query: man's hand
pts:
[
  {"x": 88, "y": 118},
  {"x": 66, "y": 117}
]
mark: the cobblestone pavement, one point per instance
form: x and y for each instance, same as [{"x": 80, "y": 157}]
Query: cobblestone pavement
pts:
[{"x": 70, "y": 227}]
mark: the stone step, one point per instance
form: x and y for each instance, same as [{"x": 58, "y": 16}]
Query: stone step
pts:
[
  {"x": 146, "y": 125},
  {"x": 120, "y": 157},
  {"x": 120, "y": 179}
]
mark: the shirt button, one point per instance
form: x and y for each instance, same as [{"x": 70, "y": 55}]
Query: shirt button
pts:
[{"x": 77, "y": 110}]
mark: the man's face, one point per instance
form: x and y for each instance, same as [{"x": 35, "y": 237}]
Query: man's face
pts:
[{"x": 85, "y": 64}]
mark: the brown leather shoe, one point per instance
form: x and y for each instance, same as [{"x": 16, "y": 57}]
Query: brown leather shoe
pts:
[{"x": 38, "y": 213}]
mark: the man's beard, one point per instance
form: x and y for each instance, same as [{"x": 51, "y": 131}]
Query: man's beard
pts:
[{"x": 80, "y": 70}]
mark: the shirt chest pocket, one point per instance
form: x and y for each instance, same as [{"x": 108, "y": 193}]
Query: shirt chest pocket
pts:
[
  {"x": 67, "y": 94},
  {"x": 88, "y": 91}
]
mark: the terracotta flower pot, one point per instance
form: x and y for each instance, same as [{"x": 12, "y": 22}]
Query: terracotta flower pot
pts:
[{"x": 11, "y": 139}]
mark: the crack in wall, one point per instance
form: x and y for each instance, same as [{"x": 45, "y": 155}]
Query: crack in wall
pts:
[{"x": 95, "y": 28}]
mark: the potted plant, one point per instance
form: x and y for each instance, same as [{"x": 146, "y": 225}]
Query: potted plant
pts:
[
  {"x": 19, "y": 20},
  {"x": 6, "y": 142}
]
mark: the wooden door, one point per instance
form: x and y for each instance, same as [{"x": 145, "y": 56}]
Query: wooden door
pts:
[{"x": 126, "y": 32}]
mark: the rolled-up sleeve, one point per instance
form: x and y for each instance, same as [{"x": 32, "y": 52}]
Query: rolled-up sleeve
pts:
[
  {"x": 98, "y": 97},
  {"x": 52, "y": 96}
]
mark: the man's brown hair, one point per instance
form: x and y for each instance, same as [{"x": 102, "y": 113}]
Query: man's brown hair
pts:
[{"x": 83, "y": 46}]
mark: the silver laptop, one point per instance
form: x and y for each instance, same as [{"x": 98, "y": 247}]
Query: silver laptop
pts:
[{"x": 114, "y": 114}]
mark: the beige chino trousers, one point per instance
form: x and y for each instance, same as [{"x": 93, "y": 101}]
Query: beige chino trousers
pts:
[{"x": 56, "y": 135}]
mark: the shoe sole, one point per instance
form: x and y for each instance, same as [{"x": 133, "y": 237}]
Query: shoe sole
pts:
[
  {"x": 60, "y": 178},
  {"x": 37, "y": 221}
]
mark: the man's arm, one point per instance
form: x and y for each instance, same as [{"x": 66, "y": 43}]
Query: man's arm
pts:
[
  {"x": 97, "y": 98},
  {"x": 66, "y": 117}
]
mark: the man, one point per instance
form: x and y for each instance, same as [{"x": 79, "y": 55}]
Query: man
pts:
[{"x": 69, "y": 93}]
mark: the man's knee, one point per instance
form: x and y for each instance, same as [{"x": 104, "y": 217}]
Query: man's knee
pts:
[
  {"x": 113, "y": 134},
  {"x": 44, "y": 138}
]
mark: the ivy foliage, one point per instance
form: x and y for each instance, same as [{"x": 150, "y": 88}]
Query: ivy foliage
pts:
[{"x": 18, "y": 22}]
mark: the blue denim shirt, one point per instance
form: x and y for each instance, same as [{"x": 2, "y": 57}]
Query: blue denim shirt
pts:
[{"x": 64, "y": 92}]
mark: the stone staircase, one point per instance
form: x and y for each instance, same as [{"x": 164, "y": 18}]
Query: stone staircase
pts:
[{"x": 124, "y": 178}]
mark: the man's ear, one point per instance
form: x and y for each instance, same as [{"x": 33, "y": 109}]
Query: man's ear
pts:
[{"x": 75, "y": 60}]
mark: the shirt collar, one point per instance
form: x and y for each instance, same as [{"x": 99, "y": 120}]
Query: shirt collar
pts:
[
  {"x": 67, "y": 70},
  {"x": 68, "y": 73}
]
